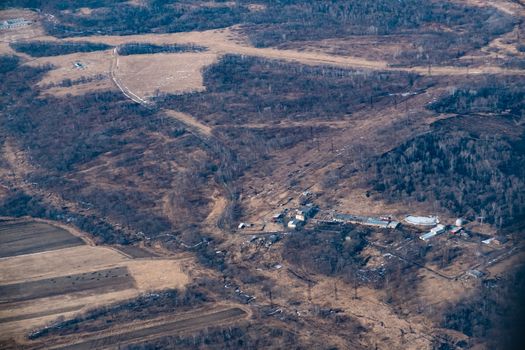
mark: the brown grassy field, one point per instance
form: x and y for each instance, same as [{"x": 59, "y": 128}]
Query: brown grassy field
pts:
[{"x": 167, "y": 73}]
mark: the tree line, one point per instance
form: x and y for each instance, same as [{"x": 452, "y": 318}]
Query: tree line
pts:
[{"x": 56, "y": 48}]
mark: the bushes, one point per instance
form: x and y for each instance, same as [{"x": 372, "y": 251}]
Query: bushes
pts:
[
  {"x": 493, "y": 314},
  {"x": 51, "y": 48},
  {"x": 462, "y": 28},
  {"x": 157, "y": 17},
  {"x": 469, "y": 165},
  {"x": 63, "y": 135},
  {"x": 8, "y": 63},
  {"x": 287, "y": 22},
  {"x": 145, "y": 48},
  {"x": 18, "y": 203}
]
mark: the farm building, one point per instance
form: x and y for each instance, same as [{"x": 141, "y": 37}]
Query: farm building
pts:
[
  {"x": 475, "y": 273},
  {"x": 14, "y": 23},
  {"x": 495, "y": 240},
  {"x": 422, "y": 220},
  {"x": 365, "y": 220},
  {"x": 393, "y": 224}
]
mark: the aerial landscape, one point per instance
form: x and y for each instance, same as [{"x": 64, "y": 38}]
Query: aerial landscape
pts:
[{"x": 262, "y": 174}]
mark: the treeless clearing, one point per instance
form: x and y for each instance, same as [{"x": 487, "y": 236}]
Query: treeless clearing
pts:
[
  {"x": 505, "y": 45},
  {"x": 94, "y": 64},
  {"x": 502, "y": 266},
  {"x": 169, "y": 73},
  {"x": 366, "y": 133},
  {"x": 219, "y": 204},
  {"x": 434, "y": 291},
  {"x": 178, "y": 73},
  {"x": 58, "y": 262},
  {"x": 382, "y": 323},
  {"x": 99, "y": 282}
]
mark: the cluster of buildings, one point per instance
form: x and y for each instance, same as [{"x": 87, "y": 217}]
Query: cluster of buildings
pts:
[
  {"x": 14, "y": 23},
  {"x": 302, "y": 215},
  {"x": 439, "y": 228}
]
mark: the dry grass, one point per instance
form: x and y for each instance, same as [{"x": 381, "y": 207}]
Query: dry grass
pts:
[
  {"x": 94, "y": 64},
  {"x": 169, "y": 73},
  {"x": 505, "y": 265},
  {"x": 434, "y": 290},
  {"x": 57, "y": 263},
  {"x": 226, "y": 41}
]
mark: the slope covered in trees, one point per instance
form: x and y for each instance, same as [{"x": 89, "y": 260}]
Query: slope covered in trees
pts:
[{"x": 472, "y": 164}]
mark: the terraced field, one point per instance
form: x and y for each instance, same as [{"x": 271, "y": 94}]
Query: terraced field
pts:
[{"x": 48, "y": 271}]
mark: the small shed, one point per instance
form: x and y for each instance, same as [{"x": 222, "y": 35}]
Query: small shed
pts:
[{"x": 456, "y": 229}]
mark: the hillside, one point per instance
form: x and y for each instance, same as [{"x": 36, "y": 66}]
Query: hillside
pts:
[{"x": 262, "y": 174}]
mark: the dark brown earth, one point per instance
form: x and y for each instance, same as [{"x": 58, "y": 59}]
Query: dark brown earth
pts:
[
  {"x": 102, "y": 281},
  {"x": 18, "y": 238}
]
